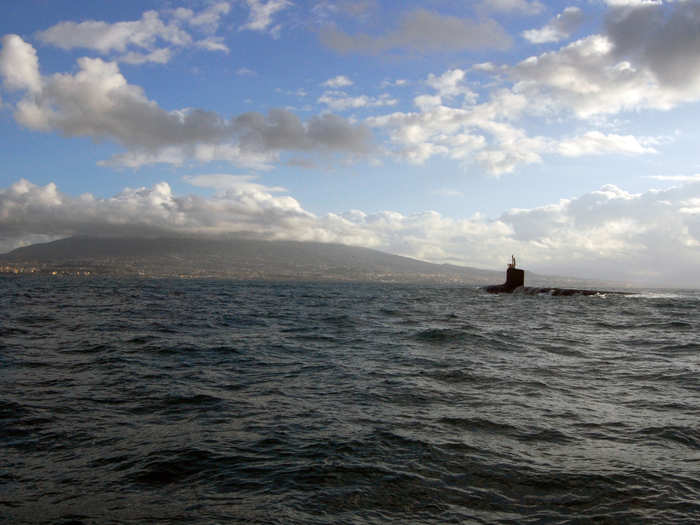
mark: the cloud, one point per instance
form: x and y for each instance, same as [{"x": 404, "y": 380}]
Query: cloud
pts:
[
  {"x": 524, "y": 6},
  {"x": 98, "y": 102},
  {"x": 633, "y": 3},
  {"x": 451, "y": 84},
  {"x": 212, "y": 43},
  {"x": 597, "y": 143},
  {"x": 282, "y": 130},
  {"x": 261, "y": 14},
  {"x": 559, "y": 28},
  {"x": 399, "y": 82},
  {"x": 117, "y": 37},
  {"x": 337, "y": 82},
  {"x": 19, "y": 66},
  {"x": 340, "y": 101},
  {"x": 158, "y": 56},
  {"x": 650, "y": 237},
  {"x": 149, "y": 39},
  {"x": 648, "y": 58},
  {"x": 664, "y": 39},
  {"x": 243, "y": 206},
  {"x": 486, "y": 135},
  {"x": 477, "y": 133},
  {"x": 245, "y": 72},
  {"x": 209, "y": 18},
  {"x": 324, "y": 10},
  {"x": 422, "y": 31}
]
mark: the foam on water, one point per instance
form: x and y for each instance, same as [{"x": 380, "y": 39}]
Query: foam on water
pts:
[{"x": 131, "y": 401}]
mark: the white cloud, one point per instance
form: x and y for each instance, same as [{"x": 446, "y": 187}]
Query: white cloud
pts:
[
  {"x": 338, "y": 82},
  {"x": 486, "y": 135},
  {"x": 424, "y": 31},
  {"x": 480, "y": 134},
  {"x": 650, "y": 237},
  {"x": 633, "y": 3},
  {"x": 451, "y": 84},
  {"x": 202, "y": 152},
  {"x": 209, "y": 18},
  {"x": 559, "y": 28},
  {"x": 99, "y": 103},
  {"x": 212, "y": 43},
  {"x": 399, "y": 82},
  {"x": 19, "y": 66},
  {"x": 149, "y": 39},
  {"x": 597, "y": 143},
  {"x": 105, "y": 37},
  {"x": 340, "y": 101},
  {"x": 262, "y": 13}
]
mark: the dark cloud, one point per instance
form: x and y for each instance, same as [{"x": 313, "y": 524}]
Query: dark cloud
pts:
[
  {"x": 283, "y": 130},
  {"x": 665, "y": 38},
  {"x": 99, "y": 103}
]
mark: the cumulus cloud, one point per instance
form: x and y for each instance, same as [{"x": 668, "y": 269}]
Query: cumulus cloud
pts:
[
  {"x": 27, "y": 209},
  {"x": 486, "y": 134},
  {"x": 650, "y": 237},
  {"x": 98, "y": 102},
  {"x": 19, "y": 65},
  {"x": 423, "y": 31},
  {"x": 451, "y": 84},
  {"x": 648, "y": 58},
  {"x": 559, "y": 28}
]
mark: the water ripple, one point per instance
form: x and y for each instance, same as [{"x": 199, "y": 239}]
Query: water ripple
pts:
[{"x": 168, "y": 401}]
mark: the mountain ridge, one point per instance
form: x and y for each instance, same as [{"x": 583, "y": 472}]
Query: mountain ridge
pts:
[
  {"x": 247, "y": 259},
  {"x": 231, "y": 258}
]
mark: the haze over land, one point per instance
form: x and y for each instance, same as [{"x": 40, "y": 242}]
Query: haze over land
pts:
[{"x": 460, "y": 133}]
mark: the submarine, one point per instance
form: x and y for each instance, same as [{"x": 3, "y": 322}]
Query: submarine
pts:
[{"x": 515, "y": 283}]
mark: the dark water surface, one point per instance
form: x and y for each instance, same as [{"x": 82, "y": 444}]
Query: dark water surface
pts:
[{"x": 175, "y": 401}]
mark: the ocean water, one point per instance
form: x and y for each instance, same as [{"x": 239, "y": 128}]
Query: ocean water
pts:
[{"x": 195, "y": 401}]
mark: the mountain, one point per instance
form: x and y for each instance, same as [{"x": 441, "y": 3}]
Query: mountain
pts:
[{"x": 233, "y": 259}]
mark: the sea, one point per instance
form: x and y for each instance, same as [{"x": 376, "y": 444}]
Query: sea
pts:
[{"x": 211, "y": 401}]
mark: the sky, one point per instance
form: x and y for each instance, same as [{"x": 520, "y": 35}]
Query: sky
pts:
[{"x": 565, "y": 133}]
